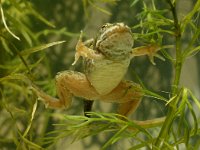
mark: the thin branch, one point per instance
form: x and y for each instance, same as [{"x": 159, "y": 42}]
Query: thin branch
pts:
[{"x": 4, "y": 22}]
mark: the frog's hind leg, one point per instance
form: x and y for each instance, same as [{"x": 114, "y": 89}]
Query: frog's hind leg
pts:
[
  {"x": 128, "y": 95},
  {"x": 68, "y": 83},
  {"x": 128, "y": 107},
  {"x": 52, "y": 102}
]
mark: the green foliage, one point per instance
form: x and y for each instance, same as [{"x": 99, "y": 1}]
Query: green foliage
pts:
[
  {"x": 81, "y": 127},
  {"x": 32, "y": 51}
]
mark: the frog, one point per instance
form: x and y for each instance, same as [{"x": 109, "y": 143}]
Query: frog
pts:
[{"x": 106, "y": 59}]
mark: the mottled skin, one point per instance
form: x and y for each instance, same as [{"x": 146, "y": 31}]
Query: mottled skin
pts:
[{"x": 106, "y": 60}]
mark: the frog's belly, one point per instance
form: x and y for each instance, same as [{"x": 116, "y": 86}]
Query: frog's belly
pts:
[{"x": 105, "y": 75}]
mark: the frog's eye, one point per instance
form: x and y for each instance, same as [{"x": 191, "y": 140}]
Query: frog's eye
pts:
[{"x": 104, "y": 26}]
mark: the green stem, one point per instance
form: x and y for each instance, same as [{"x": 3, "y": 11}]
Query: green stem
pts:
[{"x": 178, "y": 66}]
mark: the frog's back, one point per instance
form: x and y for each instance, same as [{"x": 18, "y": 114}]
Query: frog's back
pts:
[{"x": 104, "y": 75}]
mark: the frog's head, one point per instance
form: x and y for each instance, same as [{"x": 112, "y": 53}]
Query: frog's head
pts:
[{"x": 115, "y": 41}]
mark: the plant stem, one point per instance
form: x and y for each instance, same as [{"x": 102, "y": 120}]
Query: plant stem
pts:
[{"x": 178, "y": 66}]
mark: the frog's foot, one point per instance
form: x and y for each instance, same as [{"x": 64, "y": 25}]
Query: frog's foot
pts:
[
  {"x": 150, "y": 51},
  {"x": 127, "y": 94},
  {"x": 84, "y": 51}
]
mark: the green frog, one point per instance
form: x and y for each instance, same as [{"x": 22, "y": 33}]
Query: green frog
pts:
[{"x": 106, "y": 60}]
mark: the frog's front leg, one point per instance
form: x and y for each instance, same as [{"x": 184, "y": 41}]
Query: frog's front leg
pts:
[
  {"x": 84, "y": 51},
  {"x": 150, "y": 51}
]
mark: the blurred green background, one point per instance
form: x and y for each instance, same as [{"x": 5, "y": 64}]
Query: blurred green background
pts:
[{"x": 39, "y": 22}]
